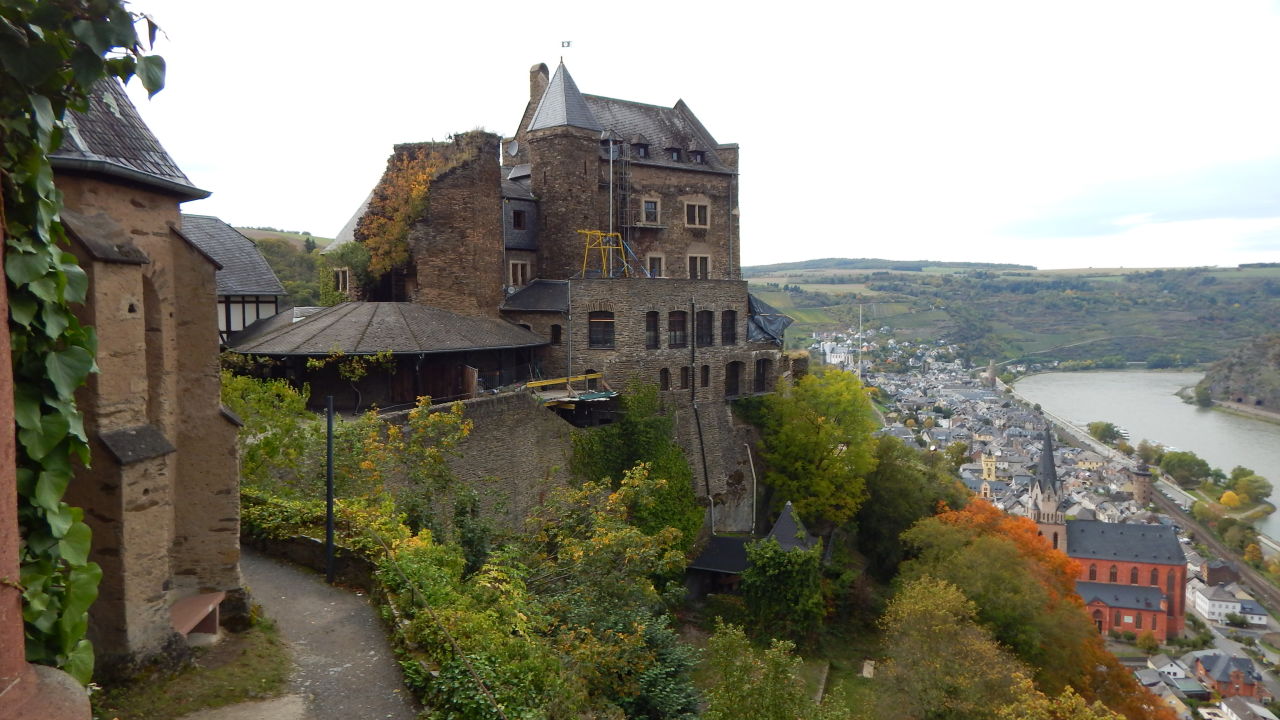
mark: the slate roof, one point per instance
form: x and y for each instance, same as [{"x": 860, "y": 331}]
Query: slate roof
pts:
[
  {"x": 515, "y": 182},
  {"x": 540, "y": 296},
  {"x": 661, "y": 127},
  {"x": 1095, "y": 540},
  {"x": 1136, "y": 597},
  {"x": 1046, "y": 473},
  {"x": 1219, "y": 666},
  {"x": 244, "y": 270},
  {"x": 363, "y": 328},
  {"x": 723, "y": 554},
  {"x": 1250, "y": 607},
  {"x": 562, "y": 104},
  {"x": 111, "y": 139},
  {"x": 790, "y": 532}
]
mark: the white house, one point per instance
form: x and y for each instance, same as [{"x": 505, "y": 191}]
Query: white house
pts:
[
  {"x": 1167, "y": 666},
  {"x": 1213, "y": 603}
]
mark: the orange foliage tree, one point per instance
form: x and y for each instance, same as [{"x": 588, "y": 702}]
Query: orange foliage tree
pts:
[
  {"x": 1024, "y": 591},
  {"x": 398, "y": 200}
]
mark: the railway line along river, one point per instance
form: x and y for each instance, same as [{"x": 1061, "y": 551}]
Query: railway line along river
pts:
[{"x": 1144, "y": 403}]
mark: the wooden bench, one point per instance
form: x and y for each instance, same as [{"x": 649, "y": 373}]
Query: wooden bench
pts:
[{"x": 196, "y": 613}]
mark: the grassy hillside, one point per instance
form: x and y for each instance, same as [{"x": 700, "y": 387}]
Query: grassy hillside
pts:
[
  {"x": 297, "y": 239},
  {"x": 1195, "y": 314}
]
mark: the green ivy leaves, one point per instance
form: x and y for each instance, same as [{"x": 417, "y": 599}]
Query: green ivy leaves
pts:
[{"x": 50, "y": 55}]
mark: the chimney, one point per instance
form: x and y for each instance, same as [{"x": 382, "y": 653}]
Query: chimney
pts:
[{"x": 539, "y": 76}]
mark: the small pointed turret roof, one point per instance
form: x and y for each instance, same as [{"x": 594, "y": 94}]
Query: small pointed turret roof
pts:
[
  {"x": 563, "y": 105},
  {"x": 1047, "y": 473}
]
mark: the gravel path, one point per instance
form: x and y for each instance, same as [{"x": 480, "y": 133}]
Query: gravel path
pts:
[{"x": 346, "y": 669}]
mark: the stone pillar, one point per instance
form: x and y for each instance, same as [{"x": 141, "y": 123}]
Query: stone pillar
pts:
[{"x": 26, "y": 691}]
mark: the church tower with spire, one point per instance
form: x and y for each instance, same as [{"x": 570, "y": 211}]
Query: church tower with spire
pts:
[{"x": 1046, "y": 497}]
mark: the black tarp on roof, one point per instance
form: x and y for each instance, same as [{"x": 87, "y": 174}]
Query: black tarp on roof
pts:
[{"x": 765, "y": 324}]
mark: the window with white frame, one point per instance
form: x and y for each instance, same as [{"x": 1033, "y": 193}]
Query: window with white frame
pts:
[
  {"x": 650, "y": 211},
  {"x": 519, "y": 273},
  {"x": 342, "y": 280}
]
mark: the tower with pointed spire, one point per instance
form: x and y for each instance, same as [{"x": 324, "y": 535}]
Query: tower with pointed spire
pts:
[{"x": 1046, "y": 496}]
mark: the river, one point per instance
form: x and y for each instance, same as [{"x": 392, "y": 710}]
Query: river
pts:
[{"x": 1144, "y": 403}]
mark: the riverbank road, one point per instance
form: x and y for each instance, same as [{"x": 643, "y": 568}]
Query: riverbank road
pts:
[{"x": 1175, "y": 493}]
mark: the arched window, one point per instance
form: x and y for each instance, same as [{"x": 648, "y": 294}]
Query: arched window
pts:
[
  {"x": 1114, "y": 575},
  {"x": 1133, "y": 576},
  {"x": 1137, "y": 620},
  {"x": 600, "y": 329},
  {"x": 1093, "y": 571},
  {"x": 1155, "y": 621},
  {"x": 1115, "y": 619},
  {"x": 1155, "y": 577},
  {"x": 664, "y": 379}
]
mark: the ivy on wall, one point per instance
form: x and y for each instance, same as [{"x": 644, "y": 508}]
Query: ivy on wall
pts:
[{"x": 51, "y": 54}]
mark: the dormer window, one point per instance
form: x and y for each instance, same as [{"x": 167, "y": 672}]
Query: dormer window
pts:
[
  {"x": 641, "y": 151},
  {"x": 609, "y": 148},
  {"x": 697, "y": 157},
  {"x": 673, "y": 154}
]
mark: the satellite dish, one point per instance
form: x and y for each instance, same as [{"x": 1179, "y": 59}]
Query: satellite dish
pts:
[{"x": 513, "y": 147}]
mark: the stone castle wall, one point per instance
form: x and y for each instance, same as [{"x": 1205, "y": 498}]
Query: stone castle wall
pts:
[
  {"x": 517, "y": 452},
  {"x": 457, "y": 244}
]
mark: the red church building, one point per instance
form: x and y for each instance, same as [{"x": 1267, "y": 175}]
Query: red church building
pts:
[{"x": 1132, "y": 577}]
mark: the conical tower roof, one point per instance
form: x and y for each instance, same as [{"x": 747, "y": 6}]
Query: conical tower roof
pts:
[
  {"x": 563, "y": 105},
  {"x": 1048, "y": 474}
]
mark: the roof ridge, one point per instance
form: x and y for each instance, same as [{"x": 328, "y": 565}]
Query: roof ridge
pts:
[
  {"x": 405, "y": 321},
  {"x": 630, "y": 102}
]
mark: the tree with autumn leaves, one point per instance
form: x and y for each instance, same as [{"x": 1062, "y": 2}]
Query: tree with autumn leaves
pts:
[{"x": 1022, "y": 596}]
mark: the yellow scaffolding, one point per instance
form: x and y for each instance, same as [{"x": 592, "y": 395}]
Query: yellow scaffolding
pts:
[{"x": 611, "y": 251}]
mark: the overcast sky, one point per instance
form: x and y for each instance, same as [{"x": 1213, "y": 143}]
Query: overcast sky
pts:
[{"x": 1059, "y": 134}]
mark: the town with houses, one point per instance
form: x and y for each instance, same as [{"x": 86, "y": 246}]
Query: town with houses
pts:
[{"x": 1139, "y": 570}]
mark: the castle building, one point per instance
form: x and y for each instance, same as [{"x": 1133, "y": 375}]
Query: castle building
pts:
[{"x": 609, "y": 229}]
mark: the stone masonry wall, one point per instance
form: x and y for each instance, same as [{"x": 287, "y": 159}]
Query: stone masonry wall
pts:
[
  {"x": 457, "y": 246},
  {"x": 565, "y": 179},
  {"x": 165, "y": 521},
  {"x": 516, "y": 453},
  {"x": 712, "y": 430},
  {"x": 671, "y": 237}
]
